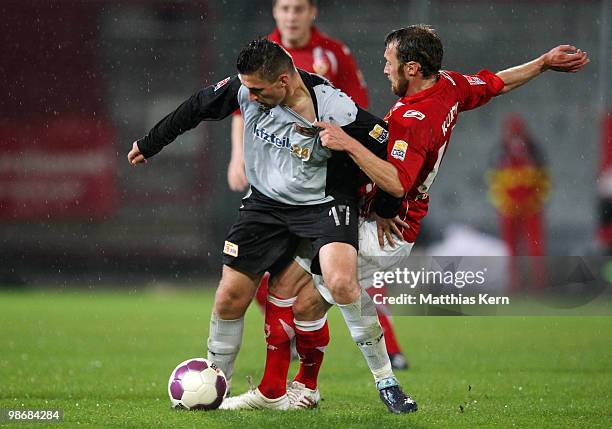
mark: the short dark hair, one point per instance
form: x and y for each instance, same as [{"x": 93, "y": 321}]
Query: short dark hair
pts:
[
  {"x": 264, "y": 57},
  {"x": 418, "y": 43}
]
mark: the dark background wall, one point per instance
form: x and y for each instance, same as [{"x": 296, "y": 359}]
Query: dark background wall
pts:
[{"x": 125, "y": 64}]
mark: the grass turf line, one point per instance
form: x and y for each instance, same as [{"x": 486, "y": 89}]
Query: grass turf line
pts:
[{"x": 105, "y": 357}]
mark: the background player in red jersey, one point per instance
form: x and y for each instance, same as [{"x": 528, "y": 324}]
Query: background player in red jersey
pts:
[
  {"x": 420, "y": 126},
  {"x": 315, "y": 52}
]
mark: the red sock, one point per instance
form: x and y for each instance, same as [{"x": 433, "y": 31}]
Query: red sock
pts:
[
  {"x": 279, "y": 330},
  {"x": 385, "y": 321},
  {"x": 311, "y": 340},
  {"x": 262, "y": 292}
]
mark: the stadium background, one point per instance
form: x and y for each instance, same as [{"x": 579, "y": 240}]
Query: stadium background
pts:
[{"x": 81, "y": 80}]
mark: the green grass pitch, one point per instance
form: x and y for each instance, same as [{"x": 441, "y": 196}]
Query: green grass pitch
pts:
[{"x": 105, "y": 357}]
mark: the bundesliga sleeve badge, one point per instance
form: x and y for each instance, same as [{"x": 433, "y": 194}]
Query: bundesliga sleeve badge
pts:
[
  {"x": 379, "y": 134},
  {"x": 399, "y": 149}
]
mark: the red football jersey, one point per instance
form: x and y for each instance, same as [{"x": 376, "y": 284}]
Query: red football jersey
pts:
[
  {"x": 420, "y": 128},
  {"x": 330, "y": 59}
]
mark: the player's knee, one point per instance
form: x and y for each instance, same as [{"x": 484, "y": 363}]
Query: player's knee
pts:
[
  {"x": 229, "y": 303},
  {"x": 345, "y": 293},
  {"x": 344, "y": 288}
]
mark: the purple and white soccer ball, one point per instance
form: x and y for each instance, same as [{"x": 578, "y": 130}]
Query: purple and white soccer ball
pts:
[{"x": 197, "y": 384}]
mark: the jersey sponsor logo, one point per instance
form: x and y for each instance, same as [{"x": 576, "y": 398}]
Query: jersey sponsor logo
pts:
[
  {"x": 230, "y": 248},
  {"x": 264, "y": 135},
  {"x": 283, "y": 143},
  {"x": 474, "y": 80},
  {"x": 450, "y": 117},
  {"x": 414, "y": 114},
  {"x": 399, "y": 149},
  {"x": 221, "y": 83},
  {"x": 379, "y": 134}
]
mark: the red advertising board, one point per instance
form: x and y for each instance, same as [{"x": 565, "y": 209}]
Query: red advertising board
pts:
[{"x": 57, "y": 169}]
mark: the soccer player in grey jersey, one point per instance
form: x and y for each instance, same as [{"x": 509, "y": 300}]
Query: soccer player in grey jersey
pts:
[{"x": 299, "y": 189}]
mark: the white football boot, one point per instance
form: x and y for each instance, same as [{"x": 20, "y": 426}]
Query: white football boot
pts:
[
  {"x": 254, "y": 400},
  {"x": 301, "y": 397}
]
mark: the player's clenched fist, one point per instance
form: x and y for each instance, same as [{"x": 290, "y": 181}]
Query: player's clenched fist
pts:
[
  {"x": 565, "y": 58},
  {"x": 134, "y": 156}
]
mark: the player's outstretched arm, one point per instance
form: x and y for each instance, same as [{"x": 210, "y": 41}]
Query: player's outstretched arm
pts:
[
  {"x": 563, "y": 58},
  {"x": 214, "y": 102}
]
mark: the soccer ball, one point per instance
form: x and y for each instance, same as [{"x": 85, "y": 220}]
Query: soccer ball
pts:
[{"x": 197, "y": 384}]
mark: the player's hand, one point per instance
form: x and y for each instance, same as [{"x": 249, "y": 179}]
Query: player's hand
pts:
[
  {"x": 134, "y": 156},
  {"x": 332, "y": 136},
  {"x": 236, "y": 176},
  {"x": 565, "y": 58},
  {"x": 388, "y": 228}
]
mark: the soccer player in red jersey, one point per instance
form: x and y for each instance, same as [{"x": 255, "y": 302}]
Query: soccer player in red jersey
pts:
[
  {"x": 420, "y": 126},
  {"x": 315, "y": 52},
  {"x": 422, "y": 120}
]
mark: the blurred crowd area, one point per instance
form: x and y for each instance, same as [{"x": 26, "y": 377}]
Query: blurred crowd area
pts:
[{"x": 81, "y": 80}]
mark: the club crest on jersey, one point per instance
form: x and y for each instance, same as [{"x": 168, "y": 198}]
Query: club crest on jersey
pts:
[
  {"x": 399, "y": 149},
  {"x": 301, "y": 152},
  {"x": 379, "y": 134},
  {"x": 414, "y": 114},
  {"x": 320, "y": 67},
  {"x": 230, "y": 249},
  {"x": 221, "y": 84},
  {"x": 474, "y": 80}
]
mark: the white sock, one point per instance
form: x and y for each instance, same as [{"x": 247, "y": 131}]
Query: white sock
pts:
[
  {"x": 368, "y": 334},
  {"x": 224, "y": 340}
]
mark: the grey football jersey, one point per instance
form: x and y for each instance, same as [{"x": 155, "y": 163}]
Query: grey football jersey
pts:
[{"x": 283, "y": 154}]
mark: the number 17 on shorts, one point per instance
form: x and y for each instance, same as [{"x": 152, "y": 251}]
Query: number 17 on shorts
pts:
[{"x": 341, "y": 214}]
